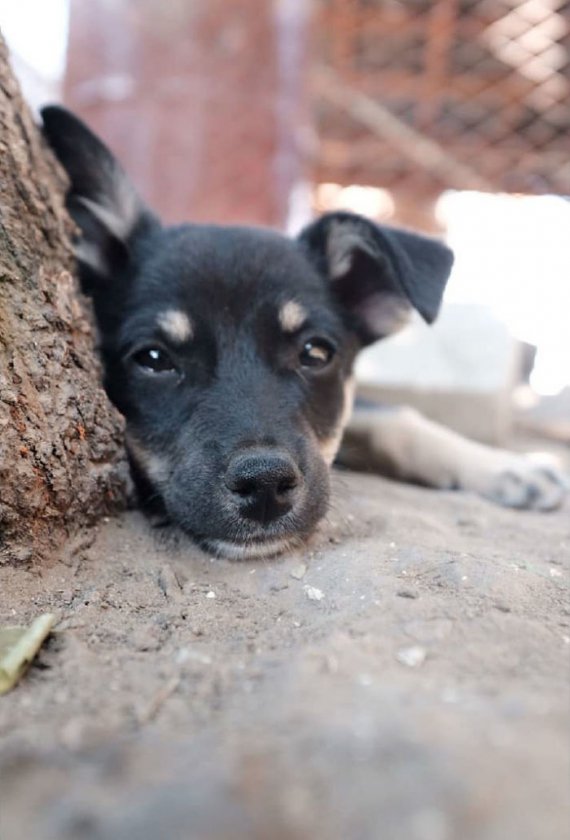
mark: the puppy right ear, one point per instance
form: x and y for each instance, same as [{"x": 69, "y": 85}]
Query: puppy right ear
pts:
[{"x": 101, "y": 199}]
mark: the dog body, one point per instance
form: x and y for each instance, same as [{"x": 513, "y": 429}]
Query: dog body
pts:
[{"x": 229, "y": 351}]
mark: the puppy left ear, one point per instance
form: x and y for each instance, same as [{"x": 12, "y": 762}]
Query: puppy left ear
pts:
[
  {"x": 378, "y": 274},
  {"x": 100, "y": 199}
]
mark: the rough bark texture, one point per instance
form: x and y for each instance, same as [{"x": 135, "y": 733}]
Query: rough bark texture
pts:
[{"x": 60, "y": 441}]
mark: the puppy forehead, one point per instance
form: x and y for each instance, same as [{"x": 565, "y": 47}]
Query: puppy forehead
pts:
[
  {"x": 217, "y": 259},
  {"x": 200, "y": 275}
]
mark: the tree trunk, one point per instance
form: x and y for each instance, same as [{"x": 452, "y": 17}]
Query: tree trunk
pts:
[{"x": 60, "y": 441}]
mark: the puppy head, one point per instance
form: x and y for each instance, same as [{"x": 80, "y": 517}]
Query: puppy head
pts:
[{"x": 229, "y": 350}]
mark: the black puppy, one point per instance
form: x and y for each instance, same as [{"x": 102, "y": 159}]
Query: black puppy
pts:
[{"x": 229, "y": 352}]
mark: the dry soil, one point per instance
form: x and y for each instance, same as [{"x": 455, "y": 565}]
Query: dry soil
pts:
[{"x": 403, "y": 678}]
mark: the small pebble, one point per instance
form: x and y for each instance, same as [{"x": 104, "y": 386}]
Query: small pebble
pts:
[
  {"x": 146, "y": 638},
  {"x": 412, "y": 656},
  {"x": 298, "y": 572},
  {"x": 314, "y": 594},
  {"x": 407, "y": 593},
  {"x": 210, "y": 594},
  {"x": 184, "y": 655}
]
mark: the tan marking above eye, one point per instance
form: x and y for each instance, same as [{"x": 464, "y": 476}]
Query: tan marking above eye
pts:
[
  {"x": 291, "y": 316},
  {"x": 176, "y": 324}
]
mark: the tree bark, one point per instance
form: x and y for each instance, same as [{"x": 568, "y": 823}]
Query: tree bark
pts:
[{"x": 60, "y": 440}]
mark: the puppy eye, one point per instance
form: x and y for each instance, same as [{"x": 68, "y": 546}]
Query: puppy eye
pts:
[
  {"x": 154, "y": 359},
  {"x": 316, "y": 353}
]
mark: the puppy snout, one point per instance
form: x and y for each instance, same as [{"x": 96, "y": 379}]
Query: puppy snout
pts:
[{"x": 265, "y": 483}]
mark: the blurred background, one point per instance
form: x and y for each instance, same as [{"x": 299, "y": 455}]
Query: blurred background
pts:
[{"x": 448, "y": 116}]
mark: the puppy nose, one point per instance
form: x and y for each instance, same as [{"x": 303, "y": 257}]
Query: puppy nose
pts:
[{"x": 265, "y": 482}]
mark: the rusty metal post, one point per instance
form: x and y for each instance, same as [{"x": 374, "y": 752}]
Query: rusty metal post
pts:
[{"x": 201, "y": 99}]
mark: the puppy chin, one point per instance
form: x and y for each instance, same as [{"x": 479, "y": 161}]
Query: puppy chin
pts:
[{"x": 251, "y": 550}]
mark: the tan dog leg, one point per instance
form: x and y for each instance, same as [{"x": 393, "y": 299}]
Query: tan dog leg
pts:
[{"x": 401, "y": 443}]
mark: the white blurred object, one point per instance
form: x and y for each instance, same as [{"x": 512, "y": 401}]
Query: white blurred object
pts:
[
  {"x": 513, "y": 255},
  {"x": 467, "y": 349},
  {"x": 459, "y": 372},
  {"x": 36, "y": 33},
  {"x": 374, "y": 202}
]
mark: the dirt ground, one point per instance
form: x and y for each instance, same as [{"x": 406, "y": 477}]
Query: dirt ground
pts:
[{"x": 404, "y": 678}]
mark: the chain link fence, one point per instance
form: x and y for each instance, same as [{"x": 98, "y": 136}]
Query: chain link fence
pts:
[{"x": 418, "y": 97}]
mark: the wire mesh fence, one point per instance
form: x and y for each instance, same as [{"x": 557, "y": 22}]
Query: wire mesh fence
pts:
[
  {"x": 413, "y": 96},
  {"x": 424, "y": 96}
]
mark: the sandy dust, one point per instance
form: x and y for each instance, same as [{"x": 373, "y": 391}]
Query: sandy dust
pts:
[{"x": 404, "y": 678}]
